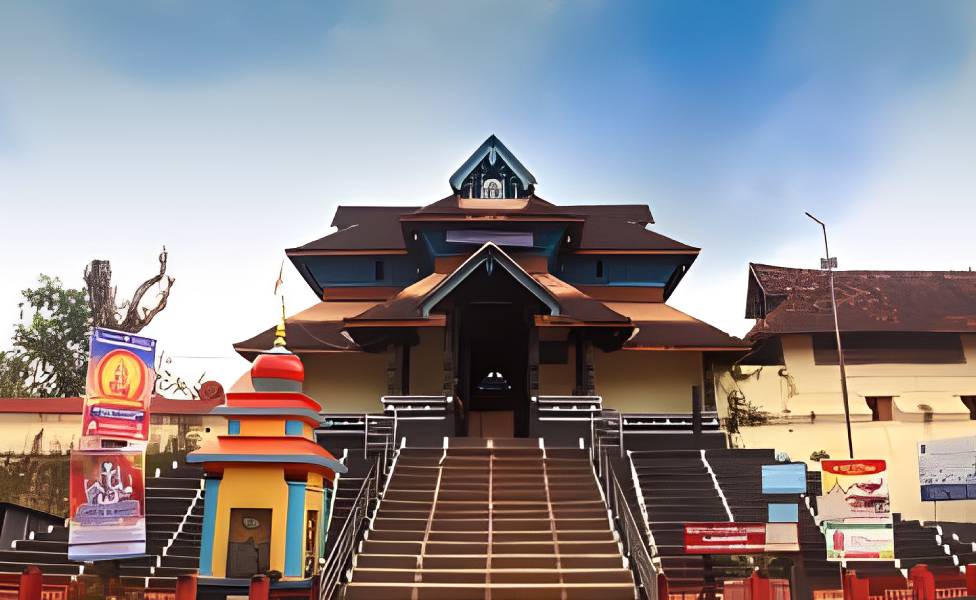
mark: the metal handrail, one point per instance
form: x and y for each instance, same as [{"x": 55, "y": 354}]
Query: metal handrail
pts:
[
  {"x": 345, "y": 541},
  {"x": 632, "y": 537},
  {"x": 607, "y": 425}
]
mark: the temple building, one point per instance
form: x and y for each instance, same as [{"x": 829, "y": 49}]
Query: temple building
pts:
[
  {"x": 493, "y": 296},
  {"x": 909, "y": 342}
]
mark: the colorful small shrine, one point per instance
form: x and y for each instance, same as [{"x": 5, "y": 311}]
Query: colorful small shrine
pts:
[{"x": 265, "y": 492}]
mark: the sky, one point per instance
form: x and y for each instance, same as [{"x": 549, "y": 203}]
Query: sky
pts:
[{"x": 229, "y": 131}]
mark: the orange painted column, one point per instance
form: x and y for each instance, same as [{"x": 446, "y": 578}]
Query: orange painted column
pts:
[
  {"x": 923, "y": 582},
  {"x": 260, "y": 588},
  {"x": 186, "y": 587},
  {"x": 31, "y": 584}
]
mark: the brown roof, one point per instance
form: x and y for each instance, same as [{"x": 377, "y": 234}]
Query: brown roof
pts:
[
  {"x": 786, "y": 300},
  {"x": 454, "y": 206},
  {"x": 362, "y": 228},
  {"x": 316, "y": 329},
  {"x": 662, "y": 327},
  {"x": 574, "y": 305},
  {"x": 614, "y": 233},
  {"x": 605, "y": 226}
]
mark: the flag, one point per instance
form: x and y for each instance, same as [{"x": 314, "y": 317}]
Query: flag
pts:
[{"x": 279, "y": 281}]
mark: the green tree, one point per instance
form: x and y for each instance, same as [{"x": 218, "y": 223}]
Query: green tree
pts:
[{"x": 50, "y": 347}]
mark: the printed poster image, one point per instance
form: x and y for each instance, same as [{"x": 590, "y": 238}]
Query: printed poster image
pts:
[
  {"x": 107, "y": 517},
  {"x": 947, "y": 469},
  {"x": 855, "y": 510},
  {"x": 120, "y": 383}
]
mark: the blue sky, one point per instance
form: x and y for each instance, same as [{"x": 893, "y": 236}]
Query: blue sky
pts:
[{"x": 230, "y": 130}]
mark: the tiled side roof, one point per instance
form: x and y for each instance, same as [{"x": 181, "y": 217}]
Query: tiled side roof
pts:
[{"x": 787, "y": 300}]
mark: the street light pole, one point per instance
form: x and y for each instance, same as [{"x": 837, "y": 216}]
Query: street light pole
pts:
[{"x": 830, "y": 263}]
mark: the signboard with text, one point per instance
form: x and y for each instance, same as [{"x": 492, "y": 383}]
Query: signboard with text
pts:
[
  {"x": 107, "y": 517},
  {"x": 855, "y": 510},
  {"x": 121, "y": 378},
  {"x": 740, "y": 538},
  {"x": 947, "y": 469}
]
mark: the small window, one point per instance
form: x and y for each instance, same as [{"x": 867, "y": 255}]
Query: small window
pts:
[
  {"x": 599, "y": 269},
  {"x": 880, "y": 408},
  {"x": 293, "y": 428},
  {"x": 492, "y": 188},
  {"x": 233, "y": 427},
  {"x": 970, "y": 402},
  {"x": 379, "y": 271}
]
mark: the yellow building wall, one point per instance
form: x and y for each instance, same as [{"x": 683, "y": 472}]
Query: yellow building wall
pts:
[
  {"x": 60, "y": 432},
  {"x": 427, "y": 363},
  {"x": 559, "y": 380},
  {"x": 251, "y": 487},
  {"x": 805, "y": 386},
  {"x": 346, "y": 381},
  {"x": 789, "y": 392},
  {"x": 638, "y": 381},
  {"x": 893, "y": 441}
]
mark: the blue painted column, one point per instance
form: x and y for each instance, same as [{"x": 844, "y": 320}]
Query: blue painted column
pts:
[
  {"x": 210, "y": 489},
  {"x": 295, "y": 529}
]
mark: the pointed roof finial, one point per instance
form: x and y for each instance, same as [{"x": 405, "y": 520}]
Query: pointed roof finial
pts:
[{"x": 279, "y": 341}]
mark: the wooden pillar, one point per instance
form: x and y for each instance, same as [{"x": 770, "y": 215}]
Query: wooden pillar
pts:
[
  {"x": 31, "y": 584},
  {"x": 533, "y": 379},
  {"x": 585, "y": 371},
  {"x": 971, "y": 579},
  {"x": 394, "y": 368},
  {"x": 260, "y": 588},
  {"x": 450, "y": 348},
  {"x": 405, "y": 369},
  {"x": 696, "y": 411},
  {"x": 758, "y": 587}
]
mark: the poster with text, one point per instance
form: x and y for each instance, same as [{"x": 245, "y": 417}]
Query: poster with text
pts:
[
  {"x": 121, "y": 379},
  {"x": 947, "y": 469},
  {"x": 107, "y": 517},
  {"x": 854, "y": 510}
]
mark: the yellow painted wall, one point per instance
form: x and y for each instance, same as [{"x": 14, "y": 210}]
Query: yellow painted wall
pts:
[
  {"x": 636, "y": 381},
  {"x": 805, "y": 386},
  {"x": 251, "y": 487},
  {"x": 346, "y": 381},
  {"x": 893, "y": 441},
  {"x": 817, "y": 387},
  {"x": 17, "y": 431},
  {"x": 559, "y": 380},
  {"x": 427, "y": 363}
]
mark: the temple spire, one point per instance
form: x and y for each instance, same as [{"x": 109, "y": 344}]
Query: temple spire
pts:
[{"x": 279, "y": 341}]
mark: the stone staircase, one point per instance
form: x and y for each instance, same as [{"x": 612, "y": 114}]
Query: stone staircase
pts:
[
  {"x": 499, "y": 519},
  {"x": 174, "y": 507}
]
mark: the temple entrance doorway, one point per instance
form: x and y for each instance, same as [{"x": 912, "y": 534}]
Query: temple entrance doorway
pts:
[
  {"x": 249, "y": 542},
  {"x": 493, "y": 369}
]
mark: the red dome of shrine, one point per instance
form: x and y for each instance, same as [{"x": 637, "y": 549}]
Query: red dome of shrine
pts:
[{"x": 278, "y": 365}]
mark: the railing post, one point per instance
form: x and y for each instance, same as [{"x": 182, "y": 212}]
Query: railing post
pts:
[
  {"x": 758, "y": 587},
  {"x": 854, "y": 587},
  {"x": 186, "y": 587},
  {"x": 260, "y": 588},
  {"x": 31, "y": 584},
  {"x": 663, "y": 589},
  {"x": 923, "y": 582},
  {"x": 971, "y": 579}
]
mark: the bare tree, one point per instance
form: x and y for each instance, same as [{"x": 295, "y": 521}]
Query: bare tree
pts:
[{"x": 130, "y": 315}]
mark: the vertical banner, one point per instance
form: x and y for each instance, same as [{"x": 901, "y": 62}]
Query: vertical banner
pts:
[
  {"x": 121, "y": 378},
  {"x": 855, "y": 510},
  {"x": 947, "y": 469},
  {"x": 107, "y": 516}
]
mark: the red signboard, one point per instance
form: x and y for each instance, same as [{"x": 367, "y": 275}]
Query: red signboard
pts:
[
  {"x": 725, "y": 538},
  {"x": 107, "y": 505}
]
